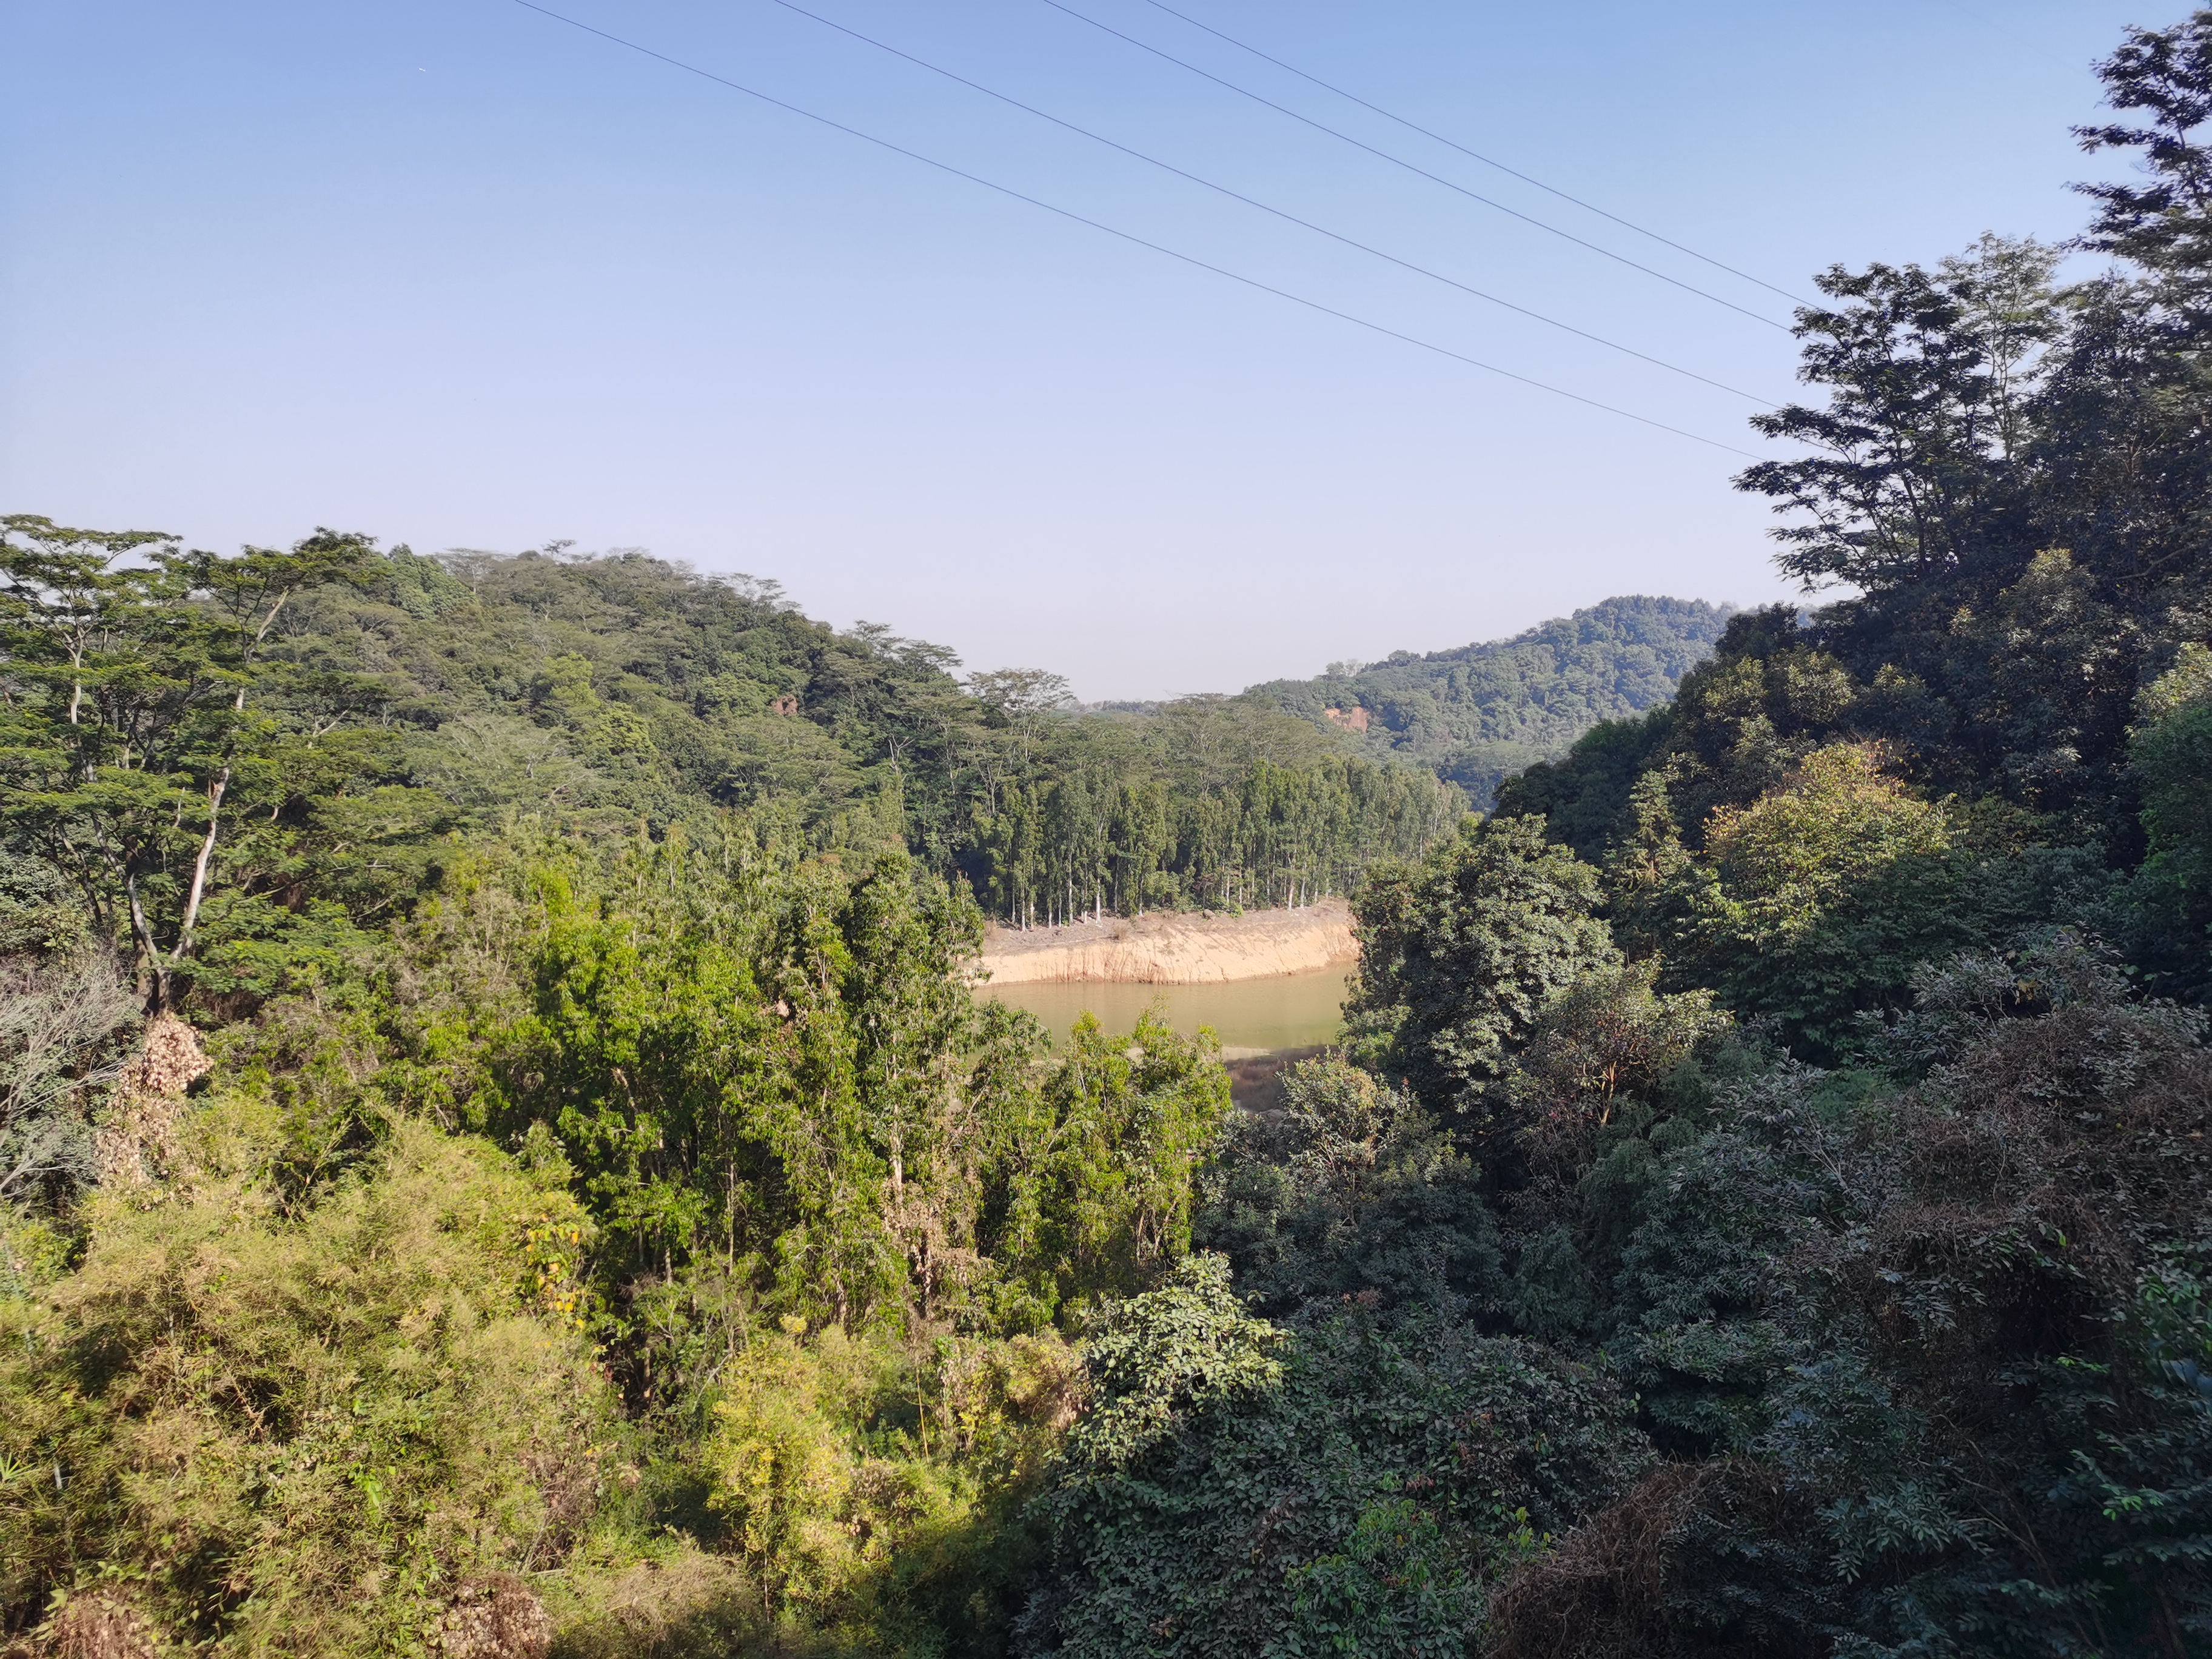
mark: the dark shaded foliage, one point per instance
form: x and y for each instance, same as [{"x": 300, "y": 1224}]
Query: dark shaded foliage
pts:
[
  {"x": 1348, "y": 1483},
  {"x": 1944, "y": 1345},
  {"x": 1348, "y": 1188}
]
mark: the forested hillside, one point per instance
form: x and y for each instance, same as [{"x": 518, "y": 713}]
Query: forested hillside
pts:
[
  {"x": 362, "y": 709},
  {"x": 1483, "y": 712},
  {"x": 499, "y": 1158}
]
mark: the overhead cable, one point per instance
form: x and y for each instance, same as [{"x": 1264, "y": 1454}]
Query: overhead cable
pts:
[
  {"x": 1128, "y": 236},
  {"x": 1399, "y": 161},
  {"x": 1488, "y": 162},
  {"x": 1279, "y": 213}
]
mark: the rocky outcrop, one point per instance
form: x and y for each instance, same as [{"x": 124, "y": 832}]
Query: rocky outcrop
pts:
[{"x": 1188, "y": 949}]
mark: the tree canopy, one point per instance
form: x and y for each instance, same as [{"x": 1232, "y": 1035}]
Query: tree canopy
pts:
[
  {"x": 498, "y": 1156},
  {"x": 1480, "y": 713}
]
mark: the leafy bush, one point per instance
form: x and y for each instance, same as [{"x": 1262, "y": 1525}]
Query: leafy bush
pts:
[
  {"x": 1459, "y": 953},
  {"x": 2170, "y": 754},
  {"x": 303, "y": 1433},
  {"x": 1348, "y": 1485},
  {"x": 1818, "y": 897},
  {"x": 1948, "y": 1343},
  {"x": 1351, "y": 1189},
  {"x": 874, "y": 1491},
  {"x": 1810, "y": 905}
]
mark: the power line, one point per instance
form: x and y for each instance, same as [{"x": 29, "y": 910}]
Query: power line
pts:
[
  {"x": 1414, "y": 126},
  {"x": 1128, "y": 236},
  {"x": 1279, "y": 213},
  {"x": 1399, "y": 161}
]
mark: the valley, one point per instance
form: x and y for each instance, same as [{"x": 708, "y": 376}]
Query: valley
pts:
[{"x": 556, "y": 1106}]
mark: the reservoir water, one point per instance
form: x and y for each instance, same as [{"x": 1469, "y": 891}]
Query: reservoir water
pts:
[{"x": 1250, "y": 1016}]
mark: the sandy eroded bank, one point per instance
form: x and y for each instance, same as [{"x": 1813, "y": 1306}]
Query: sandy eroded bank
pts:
[{"x": 1187, "y": 949}]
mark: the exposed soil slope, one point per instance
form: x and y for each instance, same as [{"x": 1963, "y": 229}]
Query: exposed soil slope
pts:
[{"x": 1190, "y": 949}]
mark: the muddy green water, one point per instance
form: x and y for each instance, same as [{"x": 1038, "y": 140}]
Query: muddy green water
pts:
[{"x": 1250, "y": 1016}]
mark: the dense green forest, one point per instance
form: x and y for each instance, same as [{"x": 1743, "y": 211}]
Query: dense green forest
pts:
[
  {"x": 387, "y": 702},
  {"x": 500, "y": 1158},
  {"x": 1481, "y": 713}
]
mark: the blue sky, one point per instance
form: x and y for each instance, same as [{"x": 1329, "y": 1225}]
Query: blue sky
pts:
[{"x": 457, "y": 275}]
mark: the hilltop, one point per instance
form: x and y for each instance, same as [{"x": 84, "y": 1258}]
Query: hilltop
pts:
[{"x": 1480, "y": 713}]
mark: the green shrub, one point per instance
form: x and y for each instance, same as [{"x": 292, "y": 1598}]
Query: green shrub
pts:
[
  {"x": 2170, "y": 750},
  {"x": 1942, "y": 1353},
  {"x": 301, "y": 1432},
  {"x": 1349, "y": 1486},
  {"x": 872, "y": 1492},
  {"x": 1353, "y": 1189},
  {"x": 1459, "y": 953}
]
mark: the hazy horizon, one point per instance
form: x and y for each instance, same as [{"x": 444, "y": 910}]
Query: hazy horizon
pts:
[{"x": 468, "y": 277}]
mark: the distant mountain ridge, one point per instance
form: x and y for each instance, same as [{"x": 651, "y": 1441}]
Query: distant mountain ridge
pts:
[{"x": 1482, "y": 712}]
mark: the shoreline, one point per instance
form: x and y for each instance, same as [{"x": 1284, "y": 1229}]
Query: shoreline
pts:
[{"x": 1174, "y": 948}]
